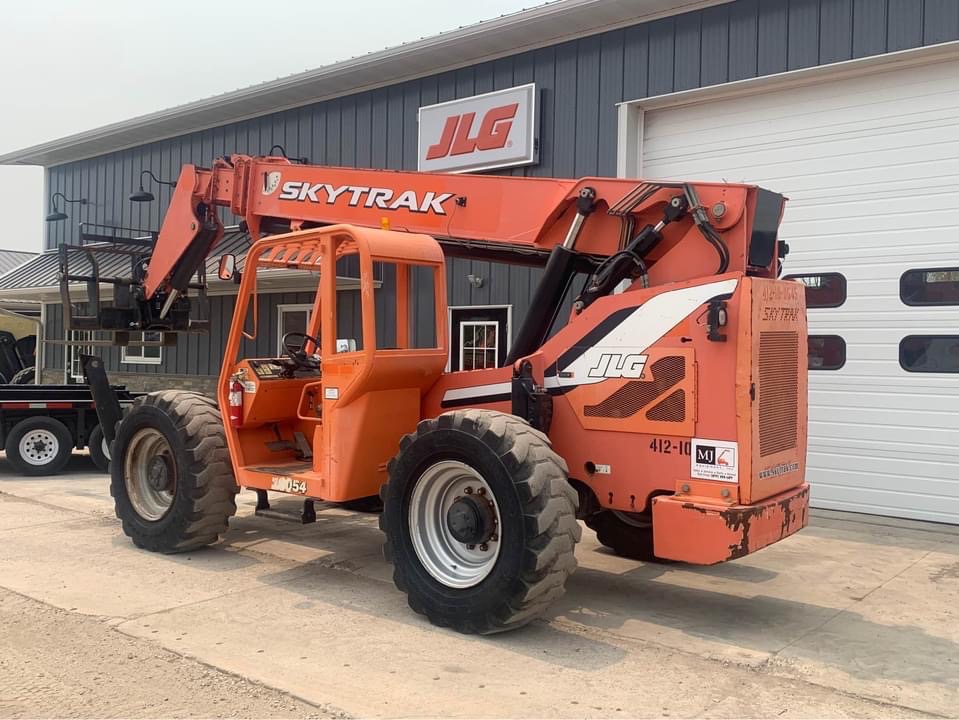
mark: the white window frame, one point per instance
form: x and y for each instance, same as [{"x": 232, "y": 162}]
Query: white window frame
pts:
[
  {"x": 134, "y": 355},
  {"x": 449, "y": 328},
  {"x": 290, "y": 307},
  {"x": 485, "y": 348},
  {"x": 72, "y": 369}
]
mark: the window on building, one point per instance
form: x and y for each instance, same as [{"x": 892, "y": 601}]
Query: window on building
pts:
[
  {"x": 823, "y": 290},
  {"x": 143, "y": 354},
  {"x": 826, "y": 352},
  {"x": 291, "y": 318},
  {"x": 479, "y": 337},
  {"x": 75, "y": 349},
  {"x": 930, "y": 286},
  {"x": 930, "y": 353}
]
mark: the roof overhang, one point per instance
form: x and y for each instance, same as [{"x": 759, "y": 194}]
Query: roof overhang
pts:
[
  {"x": 547, "y": 24},
  {"x": 268, "y": 281}
]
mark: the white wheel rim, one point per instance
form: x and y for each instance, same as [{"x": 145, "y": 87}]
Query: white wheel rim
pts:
[
  {"x": 39, "y": 447},
  {"x": 148, "y": 455},
  {"x": 105, "y": 448},
  {"x": 449, "y": 561}
]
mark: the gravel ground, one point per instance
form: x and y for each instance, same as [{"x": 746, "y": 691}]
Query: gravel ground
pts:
[{"x": 55, "y": 663}]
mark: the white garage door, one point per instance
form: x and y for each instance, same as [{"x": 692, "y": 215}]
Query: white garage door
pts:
[{"x": 871, "y": 167}]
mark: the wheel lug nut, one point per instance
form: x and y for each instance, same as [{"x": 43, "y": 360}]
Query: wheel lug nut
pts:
[
  {"x": 471, "y": 547},
  {"x": 484, "y": 547},
  {"x": 494, "y": 538},
  {"x": 481, "y": 491},
  {"x": 468, "y": 491}
]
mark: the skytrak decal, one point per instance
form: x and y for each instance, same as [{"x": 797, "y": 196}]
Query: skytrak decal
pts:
[{"x": 360, "y": 195}]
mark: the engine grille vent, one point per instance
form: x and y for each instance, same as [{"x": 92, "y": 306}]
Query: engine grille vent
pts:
[
  {"x": 637, "y": 394},
  {"x": 671, "y": 409},
  {"x": 778, "y": 391}
]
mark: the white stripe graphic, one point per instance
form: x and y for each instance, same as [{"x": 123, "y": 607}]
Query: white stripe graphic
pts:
[
  {"x": 476, "y": 391},
  {"x": 634, "y": 335}
]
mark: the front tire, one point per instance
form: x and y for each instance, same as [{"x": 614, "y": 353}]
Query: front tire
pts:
[
  {"x": 480, "y": 521},
  {"x": 171, "y": 476},
  {"x": 39, "y": 445}
]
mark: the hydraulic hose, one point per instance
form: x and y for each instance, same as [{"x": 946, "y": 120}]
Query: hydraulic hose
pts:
[{"x": 708, "y": 231}]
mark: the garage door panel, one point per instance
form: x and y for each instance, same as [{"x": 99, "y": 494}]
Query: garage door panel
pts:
[
  {"x": 905, "y": 504},
  {"x": 791, "y": 172},
  {"x": 861, "y": 146},
  {"x": 934, "y": 427},
  {"x": 863, "y": 401},
  {"x": 823, "y": 102},
  {"x": 882, "y": 478},
  {"x": 871, "y": 168}
]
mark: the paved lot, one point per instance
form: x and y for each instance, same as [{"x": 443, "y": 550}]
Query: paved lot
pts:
[{"x": 846, "y": 619}]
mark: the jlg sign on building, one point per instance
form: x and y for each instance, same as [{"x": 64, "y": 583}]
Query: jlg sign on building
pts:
[{"x": 482, "y": 132}]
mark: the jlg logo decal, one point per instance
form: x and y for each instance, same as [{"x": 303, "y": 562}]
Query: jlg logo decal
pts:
[
  {"x": 618, "y": 365},
  {"x": 493, "y": 133}
]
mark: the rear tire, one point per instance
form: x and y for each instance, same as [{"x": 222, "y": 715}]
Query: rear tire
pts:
[
  {"x": 494, "y": 469},
  {"x": 99, "y": 452},
  {"x": 624, "y": 535},
  {"x": 39, "y": 445},
  {"x": 24, "y": 377},
  {"x": 172, "y": 481}
]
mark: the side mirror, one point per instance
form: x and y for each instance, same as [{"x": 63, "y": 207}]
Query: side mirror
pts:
[{"x": 227, "y": 267}]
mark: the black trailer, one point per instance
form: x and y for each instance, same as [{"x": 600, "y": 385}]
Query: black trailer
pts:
[{"x": 41, "y": 425}]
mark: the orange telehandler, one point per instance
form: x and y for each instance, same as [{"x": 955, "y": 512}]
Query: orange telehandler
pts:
[{"x": 668, "y": 412}]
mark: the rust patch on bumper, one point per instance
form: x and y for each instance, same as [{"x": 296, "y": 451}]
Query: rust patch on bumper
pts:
[{"x": 702, "y": 533}]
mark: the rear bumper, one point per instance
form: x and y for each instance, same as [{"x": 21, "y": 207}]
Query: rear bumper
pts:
[{"x": 704, "y": 534}]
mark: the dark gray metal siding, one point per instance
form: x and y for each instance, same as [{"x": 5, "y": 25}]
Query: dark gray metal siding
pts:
[{"x": 580, "y": 82}]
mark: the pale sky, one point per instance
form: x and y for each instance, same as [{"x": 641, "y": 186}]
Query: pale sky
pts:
[{"x": 68, "y": 66}]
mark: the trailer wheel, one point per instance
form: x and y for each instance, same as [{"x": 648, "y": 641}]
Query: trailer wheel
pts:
[
  {"x": 624, "y": 534},
  {"x": 172, "y": 481},
  {"x": 480, "y": 521},
  {"x": 99, "y": 451},
  {"x": 39, "y": 445}
]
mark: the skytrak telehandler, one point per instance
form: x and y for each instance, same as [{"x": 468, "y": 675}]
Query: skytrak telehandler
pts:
[{"x": 668, "y": 413}]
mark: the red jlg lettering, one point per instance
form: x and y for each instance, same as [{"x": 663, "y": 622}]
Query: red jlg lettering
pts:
[{"x": 493, "y": 132}]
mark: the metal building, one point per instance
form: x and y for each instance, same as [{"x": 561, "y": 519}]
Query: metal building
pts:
[{"x": 849, "y": 107}]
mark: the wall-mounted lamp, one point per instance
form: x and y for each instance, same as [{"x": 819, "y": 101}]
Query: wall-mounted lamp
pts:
[
  {"x": 56, "y": 214},
  {"x": 475, "y": 280},
  {"x": 142, "y": 195},
  {"x": 301, "y": 160}
]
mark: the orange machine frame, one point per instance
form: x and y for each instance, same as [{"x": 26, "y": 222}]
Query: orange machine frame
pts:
[{"x": 632, "y": 376}]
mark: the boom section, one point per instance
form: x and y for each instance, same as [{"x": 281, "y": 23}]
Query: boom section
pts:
[{"x": 514, "y": 219}]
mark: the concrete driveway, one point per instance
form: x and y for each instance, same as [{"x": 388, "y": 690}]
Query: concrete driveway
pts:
[{"x": 853, "y": 617}]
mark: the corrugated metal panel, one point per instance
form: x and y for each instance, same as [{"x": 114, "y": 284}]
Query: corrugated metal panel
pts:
[
  {"x": 43, "y": 270},
  {"x": 10, "y": 259}
]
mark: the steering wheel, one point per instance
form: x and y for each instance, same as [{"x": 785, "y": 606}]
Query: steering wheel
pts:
[{"x": 298, "y": 355}]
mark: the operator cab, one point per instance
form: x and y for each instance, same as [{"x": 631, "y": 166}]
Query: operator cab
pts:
[{"x": 322, "y": 418}]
